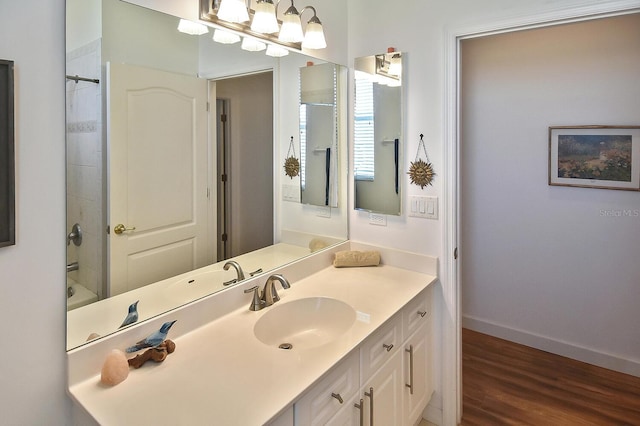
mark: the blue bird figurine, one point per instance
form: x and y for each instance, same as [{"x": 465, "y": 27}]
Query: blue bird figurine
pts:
[
  {"x": 132, "y": 316},
  {"x": 153, "y": 339}
]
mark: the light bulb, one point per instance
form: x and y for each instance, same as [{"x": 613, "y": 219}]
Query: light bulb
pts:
[
  {"x": 314, "y": 36},
  {"x": 252, "y": 45},
  {"x": 264, "y": 19},
  {"x": 225, "y": 37},
  {"x": 192, "y": 28},
  {"x": 291, "y": 30},
  {"x": 233, "y": 11},
  {"x": 276, "y": 51}
]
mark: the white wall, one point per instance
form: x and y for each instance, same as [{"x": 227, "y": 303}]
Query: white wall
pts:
[
  {"x": 32, "y": 299},
  {"x": 137, "y": 36},
  {"x": 543, "y": 264}
]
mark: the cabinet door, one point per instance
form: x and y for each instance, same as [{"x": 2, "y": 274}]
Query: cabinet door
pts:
[
  {"x": 349, "y": 415},
  {"x": 284, "y": 419},
  {"x": 383, "y": 406},
  {"x": 417, "y": 362},
  {"x": 330, "y": 394}
]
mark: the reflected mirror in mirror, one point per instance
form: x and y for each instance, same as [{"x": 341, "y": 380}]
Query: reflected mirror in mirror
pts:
[
  {"x": 164, "y": 188},
  {"x": 319, "y": 135},
  {"x": 377, "y": 127}
]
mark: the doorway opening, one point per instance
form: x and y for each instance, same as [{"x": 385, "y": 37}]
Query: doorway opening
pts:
[
  {"x": 451, "y": 276},
  {"x": 244, "y": 152}
]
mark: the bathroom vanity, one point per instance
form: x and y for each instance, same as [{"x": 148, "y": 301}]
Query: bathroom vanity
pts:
[{"x": 368, "y": 361}]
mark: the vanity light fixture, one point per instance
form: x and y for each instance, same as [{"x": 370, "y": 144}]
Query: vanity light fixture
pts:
[
  {"x": 386, "y": 71},
  {"x": 233, "y": 11},
  {"x": 252, "y": 45},
  {"x": 262, "y": 23},
  {"x": 291, "y": 30},
  {"x": 225, "y": 37},
  {"x": 192, "y": 28},
  {"x": 395, "y": 65},
  {"x": 314, "y": 34}
]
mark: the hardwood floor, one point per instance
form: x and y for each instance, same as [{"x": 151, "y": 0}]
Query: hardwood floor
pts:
[{"x": 509, "y": 384}]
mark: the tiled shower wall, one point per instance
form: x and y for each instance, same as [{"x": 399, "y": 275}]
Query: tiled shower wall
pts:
[{"x": 85, "y": 164}]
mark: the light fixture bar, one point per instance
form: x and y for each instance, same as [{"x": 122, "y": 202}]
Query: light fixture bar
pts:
[{"x": 208, "y": 10}]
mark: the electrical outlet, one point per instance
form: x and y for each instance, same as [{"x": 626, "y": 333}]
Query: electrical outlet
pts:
[
  {"x": 377, "y": 219},
  {"x": 290, "y": 193},
  {"x": 323, "y": 211}
]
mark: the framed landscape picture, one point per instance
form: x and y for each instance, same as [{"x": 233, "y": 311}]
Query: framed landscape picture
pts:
[
  {"x": 595, "y": 157},
  {"x": 7, "y": 161}
]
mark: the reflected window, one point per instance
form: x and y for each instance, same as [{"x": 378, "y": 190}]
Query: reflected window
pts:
[
  {"x": 303, "y": 144},
  {"x": 363, "y": 147}
]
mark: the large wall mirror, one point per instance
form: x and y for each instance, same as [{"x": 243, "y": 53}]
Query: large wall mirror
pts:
[
  {"x": 175, "y": 149},
  {"x": 377, "y": 127}
]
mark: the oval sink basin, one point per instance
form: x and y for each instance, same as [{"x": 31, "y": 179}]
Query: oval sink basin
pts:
[{"x": 304, "y": 323}]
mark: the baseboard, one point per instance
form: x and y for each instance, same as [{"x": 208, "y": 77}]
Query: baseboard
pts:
[{"x": 558, "y": 347}]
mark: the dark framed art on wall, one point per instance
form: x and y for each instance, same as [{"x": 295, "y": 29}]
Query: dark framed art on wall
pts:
[{"x": 7, "y": 157}]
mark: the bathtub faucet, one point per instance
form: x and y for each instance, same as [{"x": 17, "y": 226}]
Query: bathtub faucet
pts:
[{"x": 73, "y": 266}]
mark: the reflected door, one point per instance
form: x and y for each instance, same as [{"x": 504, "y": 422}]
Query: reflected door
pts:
[{"x": 158, "y": 168}]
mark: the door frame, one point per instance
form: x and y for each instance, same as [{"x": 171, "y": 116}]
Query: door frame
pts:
[{"x": 450, "y": 275}]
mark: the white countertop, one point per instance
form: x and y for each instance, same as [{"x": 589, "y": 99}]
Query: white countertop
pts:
[{"x": 222, "y": 374}]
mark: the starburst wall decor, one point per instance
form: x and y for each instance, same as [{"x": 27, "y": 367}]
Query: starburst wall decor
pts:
[
  {"x": 291, "y": 163},
  {"x": 421, "y": 172}
]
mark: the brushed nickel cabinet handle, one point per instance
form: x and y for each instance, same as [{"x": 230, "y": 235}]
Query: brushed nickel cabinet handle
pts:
[
  {"x": 387, "y": 347},
  {"x": 370, "y": 395},
  {"x": 422, "y": 313},
  {"x": 337, "y": 396},
  {"x": 410, "y": 385},
  {"x": 361, "y": 408}
]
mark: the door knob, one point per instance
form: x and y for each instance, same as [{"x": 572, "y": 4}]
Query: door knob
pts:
[{"x": 120, "y": 228}]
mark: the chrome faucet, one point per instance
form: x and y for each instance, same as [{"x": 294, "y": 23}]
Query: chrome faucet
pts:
[
  {"x": 237, "y": 267},
  {"x": 269, "y": 294}
]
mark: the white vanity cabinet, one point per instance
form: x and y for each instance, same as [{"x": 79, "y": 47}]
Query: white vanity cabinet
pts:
[{"x": 385, "y": 365}]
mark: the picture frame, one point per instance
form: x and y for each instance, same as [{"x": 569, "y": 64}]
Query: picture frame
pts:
[
  {"x": 606, "y": 157},
  {"x": 7, "y": 156}
]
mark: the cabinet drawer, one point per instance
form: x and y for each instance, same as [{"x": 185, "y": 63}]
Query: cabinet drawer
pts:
[
  {"x": 416, "y": 313},
  {"x": 318, "y": 405},
  {"x": 380, "y": 346}
]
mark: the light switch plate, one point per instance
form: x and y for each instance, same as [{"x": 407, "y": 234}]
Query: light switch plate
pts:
[{"x": 426, "y": 207}]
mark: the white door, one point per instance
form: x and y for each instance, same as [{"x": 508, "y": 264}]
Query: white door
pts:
[{"x": 157, "y": 169}]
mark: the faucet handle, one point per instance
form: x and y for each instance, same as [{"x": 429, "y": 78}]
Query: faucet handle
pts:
[{"x": 256, "y": 303}]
